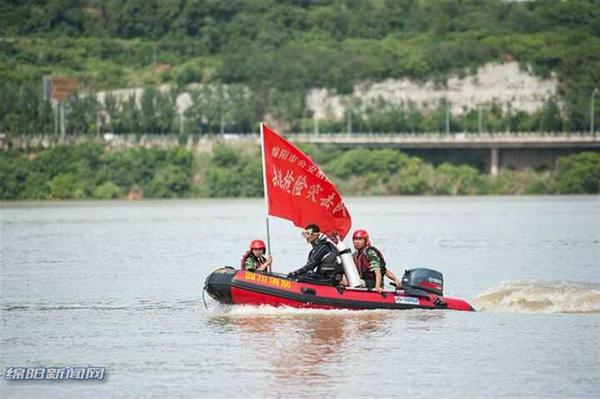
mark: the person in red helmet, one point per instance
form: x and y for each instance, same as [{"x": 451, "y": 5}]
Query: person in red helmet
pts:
[
  {"x": 370, "y": 262},
  {"x": 254, "y": 260}
]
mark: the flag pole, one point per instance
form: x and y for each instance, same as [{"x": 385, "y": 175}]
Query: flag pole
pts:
[{"x": 264, "y": 169}]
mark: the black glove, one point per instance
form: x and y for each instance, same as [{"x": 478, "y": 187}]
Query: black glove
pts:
[{"x": 292, "y": 274}]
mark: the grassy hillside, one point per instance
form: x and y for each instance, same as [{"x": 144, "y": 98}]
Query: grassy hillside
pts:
[
  {"x": 92, "y": 171},
  {"x": 280, "y": 49}
]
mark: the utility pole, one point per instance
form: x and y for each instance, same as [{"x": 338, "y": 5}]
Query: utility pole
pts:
[
  {"x": 349, "y": 127},
  {"x": 479, "y": 119},
  {"x": 62, "y": 89},
  {"x": 222, "y": 124},
  {"x": 47, "y": 96},
  {"x": 592, "y": 130},
  {"x": 63, "y": 127},
  {"x": 303, "y": 124},
  {"x": 509, "y": 121},
  {"x": 98, "y": 121},
  {"x": 447, "y": 116},
  {"x": 221, "y": 116},
  {"x": 56, "y": 105}
]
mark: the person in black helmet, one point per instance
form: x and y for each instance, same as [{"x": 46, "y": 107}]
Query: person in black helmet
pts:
[{"x": 323, "y": 260}]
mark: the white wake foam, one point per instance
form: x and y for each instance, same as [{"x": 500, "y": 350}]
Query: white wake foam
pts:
[
  {"x": 272, "y": 311},
  {"x": 540, "y": 297}
]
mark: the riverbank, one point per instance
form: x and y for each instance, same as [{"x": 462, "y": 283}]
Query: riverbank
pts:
[{"x": 93, "y": 171}]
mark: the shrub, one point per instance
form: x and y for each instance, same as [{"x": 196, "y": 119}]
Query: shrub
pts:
[
  {"x": 579, "y": 173},
  {"x": 107, "y": 190}
]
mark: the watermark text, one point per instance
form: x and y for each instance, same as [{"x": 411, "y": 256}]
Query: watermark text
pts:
[{"x": 54, "y": 373}]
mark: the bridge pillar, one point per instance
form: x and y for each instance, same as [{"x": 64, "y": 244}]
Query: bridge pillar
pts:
[{"x": 494, "y": 161}]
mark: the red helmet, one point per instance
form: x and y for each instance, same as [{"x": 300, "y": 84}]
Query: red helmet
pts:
[
  {"x": 360, "y": 234},
  {"x": 257, "y": 244}
]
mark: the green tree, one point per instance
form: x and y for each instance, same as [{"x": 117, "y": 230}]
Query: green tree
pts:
[
  {"x": 82, "y": 115},
  {"x": 168, "y": 182},
  {"x": 148, "y": 110},
  {"x": 66, "y": 186},
  {"x": 455, "y": 180},
  {"x": 130, "y": 120},
  {"x": 579, "y": 173},
  {"x": 550, "y": 119},
  {"x": 225, "y": 156},
  {"x": 107, "y": 190}
]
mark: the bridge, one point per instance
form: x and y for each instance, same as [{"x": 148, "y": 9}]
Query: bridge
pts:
[{"x": 492, "y": 151}]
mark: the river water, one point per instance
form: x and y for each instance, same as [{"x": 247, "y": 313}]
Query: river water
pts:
[{"x": 119, "y": 285}]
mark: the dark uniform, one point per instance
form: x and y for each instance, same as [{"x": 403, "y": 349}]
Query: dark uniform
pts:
[{"x": 323, "y": 262}]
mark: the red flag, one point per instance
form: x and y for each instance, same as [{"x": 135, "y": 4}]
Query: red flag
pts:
[{"x": 296, "y": 189}]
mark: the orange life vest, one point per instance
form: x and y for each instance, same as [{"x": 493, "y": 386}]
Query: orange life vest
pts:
[{"x": 363, "y": 265}]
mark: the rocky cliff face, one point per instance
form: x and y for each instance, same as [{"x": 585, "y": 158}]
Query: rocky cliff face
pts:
[{"x": 502, "y": 84}]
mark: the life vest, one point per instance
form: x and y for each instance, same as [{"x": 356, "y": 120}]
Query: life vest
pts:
[
  {"x": 259, "y": 261},
  {"x": 331, "y": 261},
  {"x": 363, "y": 265}
]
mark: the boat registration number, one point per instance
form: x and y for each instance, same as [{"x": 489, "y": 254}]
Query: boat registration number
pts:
[
  {"x": 272, "y": 281},
  {"x": 406, "y": 300}
]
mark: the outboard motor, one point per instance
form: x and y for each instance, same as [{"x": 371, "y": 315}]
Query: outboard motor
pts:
[{"x": 422, "y": 282}]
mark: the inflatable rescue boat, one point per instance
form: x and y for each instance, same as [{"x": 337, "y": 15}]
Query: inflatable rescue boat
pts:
[{"x": 421, "y": 289}]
